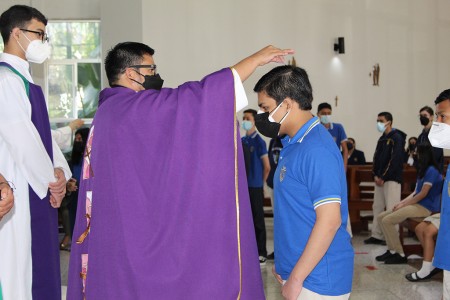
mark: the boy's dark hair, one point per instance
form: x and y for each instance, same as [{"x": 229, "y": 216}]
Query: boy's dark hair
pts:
[
  {"x": 445, "y": 95},
  {"x": 323, "y": 105},
  {"x": 251, "y": 111},
  {"x": 387, "y": 116},
  {"x": 18, "y": 16},
  {"x": 287, "y": 82},
  {"x": 122, "y": 56}
]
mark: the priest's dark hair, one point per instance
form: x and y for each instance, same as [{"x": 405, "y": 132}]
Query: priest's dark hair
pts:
[
  {"x": 18, "y": 16},
  {"x": 122, "y": 56},
  {"x": 287, "y": 81},
  {"x": 445, "y": 95}
]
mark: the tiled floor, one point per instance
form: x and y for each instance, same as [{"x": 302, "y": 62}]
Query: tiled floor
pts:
[{"x": 371, "y": 281}]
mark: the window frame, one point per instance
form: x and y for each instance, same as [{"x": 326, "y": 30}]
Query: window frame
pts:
[{"x": 74, "y": 63}]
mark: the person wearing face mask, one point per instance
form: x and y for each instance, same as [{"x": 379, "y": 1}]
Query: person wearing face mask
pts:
[
  {"x": 29, "y": 254},
  {"x": 387, "y": 171},
  {"x": 439, "y": 137},
  {"x": 335, "y": 129},
  {"x": 314, "y": 256},
  {"x": 355, "y": 156},
  {"x": 68, "y": 209},
  {"x": 258, "y": 168},
  {"x": 426, "y": 115},
  {"x": 410, "y": 156},
  {"x": 63, "y": 135},
  {"x": 164, "y": 175}
]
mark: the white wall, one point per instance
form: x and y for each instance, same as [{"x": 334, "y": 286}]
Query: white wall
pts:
[
  {"x": 60, "y": 9},
  {"x": 408, "y": 38}
]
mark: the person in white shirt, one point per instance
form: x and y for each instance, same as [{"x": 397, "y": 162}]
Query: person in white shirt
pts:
[
  {"x": 29, "y": 252},
  {"x": 63, "y": 135}
]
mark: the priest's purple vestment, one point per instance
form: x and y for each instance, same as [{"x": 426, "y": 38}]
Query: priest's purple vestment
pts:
[{"x": 163, "y": 209}]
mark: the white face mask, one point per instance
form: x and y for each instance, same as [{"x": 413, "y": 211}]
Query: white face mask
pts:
[
  {"x": 439, "y": 135},
  {"x": 37, "y": 52},
  {"x": 325, "y": 119},
  {"x": 381, "y": 127}
]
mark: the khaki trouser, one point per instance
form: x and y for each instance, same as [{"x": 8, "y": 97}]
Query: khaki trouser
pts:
[
  {"x": 386, "y": 196},
  {"x": 389, "y": 219}
]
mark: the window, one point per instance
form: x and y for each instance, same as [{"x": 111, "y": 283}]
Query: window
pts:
[{"x": 73, "y": 71}]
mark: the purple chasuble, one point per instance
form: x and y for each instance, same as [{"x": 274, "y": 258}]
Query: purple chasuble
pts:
[
  {"x": 44, "y": 218},
  {"x": 159, "y": 179}
]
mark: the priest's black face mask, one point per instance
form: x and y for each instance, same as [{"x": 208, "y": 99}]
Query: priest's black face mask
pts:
[{"x": 151, "y": 82}]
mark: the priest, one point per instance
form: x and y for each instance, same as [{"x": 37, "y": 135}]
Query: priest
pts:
[{"x": 164, "y": 211}]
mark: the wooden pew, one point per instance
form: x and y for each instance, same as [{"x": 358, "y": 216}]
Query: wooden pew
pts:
[{"x": 360, "y": 195}]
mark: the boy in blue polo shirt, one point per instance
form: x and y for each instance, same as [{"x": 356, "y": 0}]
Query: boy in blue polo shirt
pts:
[
  {"x": 314, "y": 255},
  {"x": 335, "y": 129},
  {"x": 439, "y": 137},
  {"x": 257, "y": 167}
]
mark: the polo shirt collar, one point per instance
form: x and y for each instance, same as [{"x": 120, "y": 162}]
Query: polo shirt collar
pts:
[{"x": 301, "y": 133}]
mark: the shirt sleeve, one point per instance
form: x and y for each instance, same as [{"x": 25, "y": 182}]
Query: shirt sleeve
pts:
[
  {"x": 262, "y": 148},
  {"x": 343, "y": 134},
  {"x": 21, "y": 137},
  {"x": 241, "y": 96},
  {"x": 322, "y": 174},
  {"x": 62, "y": 137},
  {"x": 59, "y": 161},
  {"x": 431, "y": 176}
]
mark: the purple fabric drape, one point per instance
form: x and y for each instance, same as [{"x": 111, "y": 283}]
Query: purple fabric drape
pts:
[{"x": 164, "y": 215}]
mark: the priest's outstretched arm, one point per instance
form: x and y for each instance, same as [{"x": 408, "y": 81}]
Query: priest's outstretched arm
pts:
[{"x": 248, "y": 65}]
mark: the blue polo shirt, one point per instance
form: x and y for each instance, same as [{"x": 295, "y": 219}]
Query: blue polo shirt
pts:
[
  {"x": 441, "y": 257},
  {"x": 338, "y": 133},
  {"x": 432, "y": 200},
  {"x": 310, "y": 173},
  {"x": 257, "y": 148}
]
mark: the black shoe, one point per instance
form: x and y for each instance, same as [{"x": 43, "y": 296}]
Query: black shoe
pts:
[
  {"x": 384, "y": 256},
  {"x": 396, "y": 259},
  {"x": 271, "y": 256},
  {"x": 415, "y": 277},
  {"x": 374, "y": 241}
]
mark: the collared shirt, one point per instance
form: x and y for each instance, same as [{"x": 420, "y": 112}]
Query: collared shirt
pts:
[
  {"x": 441, "y": 259},
  {"x": 310, "y": 173},
  {"x": 254, "y": 150}
]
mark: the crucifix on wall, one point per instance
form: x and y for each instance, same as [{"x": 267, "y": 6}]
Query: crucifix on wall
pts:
[{"x": 375, "y": 75}]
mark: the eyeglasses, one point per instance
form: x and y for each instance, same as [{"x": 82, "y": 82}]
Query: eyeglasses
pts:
[
  {"x": 152, "y": 68},
  {"x": 42, "y": 35}
]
